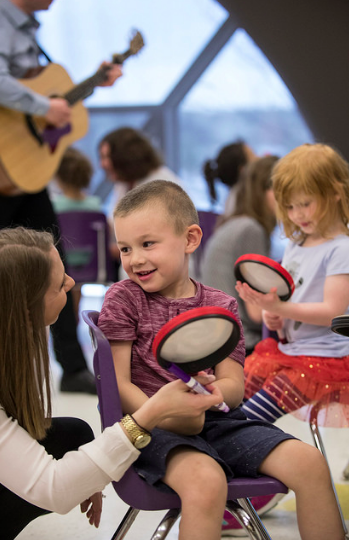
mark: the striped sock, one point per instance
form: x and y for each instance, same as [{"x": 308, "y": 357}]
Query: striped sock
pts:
[{"x": 262, "y": 407}]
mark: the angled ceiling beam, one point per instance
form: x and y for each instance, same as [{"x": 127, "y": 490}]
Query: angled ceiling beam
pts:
[{"x": 201, "y": 63}]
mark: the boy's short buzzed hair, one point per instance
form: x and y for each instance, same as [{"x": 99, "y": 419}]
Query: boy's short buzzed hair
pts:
[{"x": 177, "y": 202}]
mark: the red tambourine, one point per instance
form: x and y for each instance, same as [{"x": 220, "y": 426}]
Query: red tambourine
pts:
[
  {"x": 262, "y": 273},
  {"x": 340, "y": 325},
  {"x": 197, "y": 339}
]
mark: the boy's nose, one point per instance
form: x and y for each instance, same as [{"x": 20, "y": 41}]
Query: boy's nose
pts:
[{"x": 137, "y": 258}]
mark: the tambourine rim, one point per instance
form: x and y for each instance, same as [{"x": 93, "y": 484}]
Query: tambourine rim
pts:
[
  {"x": 270, "y": 263},
  {"x": 341, "y": 321},
  {"x": 184, "y": 318}
]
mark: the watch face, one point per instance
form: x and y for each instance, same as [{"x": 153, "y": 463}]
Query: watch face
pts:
[{"x": 142, "y": 441}]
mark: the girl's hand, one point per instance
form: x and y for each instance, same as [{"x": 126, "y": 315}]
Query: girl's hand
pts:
[
  {"x": 93, "y": 509},
  {"x": 272, "y": 321},
  {"x": 267, "y": 301}
]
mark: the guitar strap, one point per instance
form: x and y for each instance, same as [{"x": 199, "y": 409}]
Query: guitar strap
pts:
[{"x": 44, "y": 53}]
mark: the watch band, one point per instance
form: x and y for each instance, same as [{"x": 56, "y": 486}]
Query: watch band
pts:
[
  {"x": 140, "y": 427},
  {"x": 139, "y": 436}
]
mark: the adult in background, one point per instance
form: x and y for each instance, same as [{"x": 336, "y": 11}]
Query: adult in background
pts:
[
  {"x": 226, "y": 169},
  {"x": 247, "y": 230},
  {"x": 129, "y": 159}
]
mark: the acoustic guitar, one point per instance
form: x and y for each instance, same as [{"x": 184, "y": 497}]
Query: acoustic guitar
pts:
[{"x": 30, "y": 148}]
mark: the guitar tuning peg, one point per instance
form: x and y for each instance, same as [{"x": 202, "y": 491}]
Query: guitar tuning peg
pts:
[
  {"x": 136, "y": 45},
  {"x": 137, "y": 42}
]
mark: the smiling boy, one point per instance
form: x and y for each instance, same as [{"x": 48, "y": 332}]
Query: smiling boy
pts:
[{"x": 156, "y": 227}]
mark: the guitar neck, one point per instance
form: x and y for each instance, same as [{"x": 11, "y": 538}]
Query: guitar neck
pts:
[{"x": 84, "y": 89}]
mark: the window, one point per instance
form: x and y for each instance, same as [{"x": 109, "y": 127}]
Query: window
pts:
[
  {"x": 239, "y": 96},
  {"x": 81, "y": 34}
]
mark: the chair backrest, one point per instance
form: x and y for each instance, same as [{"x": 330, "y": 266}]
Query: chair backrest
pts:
[
  {"x": 85, "y": 239},
  {"x": 130, "y": 488},
  {"x": 207, "y": 221}
]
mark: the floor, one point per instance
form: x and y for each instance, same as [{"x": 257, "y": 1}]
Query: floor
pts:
[{"x": 280, "y": 522}]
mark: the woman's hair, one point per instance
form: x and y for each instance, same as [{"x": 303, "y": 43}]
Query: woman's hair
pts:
[
  {"x": 75, "y": 169},
  {"x": 254, "y": 182},
  {"x": 25, "y": 271},
  {"x": 177, "y": 202},
  {"x": 131, "y": 153},
  {"x": 226, "y": 167},
  {"x": 319, "y": 171}
]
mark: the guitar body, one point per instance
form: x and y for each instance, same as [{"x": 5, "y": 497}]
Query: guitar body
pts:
[{"x": 25, "y": 164}]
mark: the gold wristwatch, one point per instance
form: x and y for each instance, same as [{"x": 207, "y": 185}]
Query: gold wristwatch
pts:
[{"x": 139, "y": 436}]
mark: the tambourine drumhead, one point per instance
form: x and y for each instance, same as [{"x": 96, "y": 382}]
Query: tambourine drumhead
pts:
[
  {"x": 197, "y": 339},
  {"x": 340, "y": 325},
  {"x": 262, "y": 273}
]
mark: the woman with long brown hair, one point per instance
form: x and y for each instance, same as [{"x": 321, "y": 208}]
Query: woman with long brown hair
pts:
[{"x": 41, "y": 468}]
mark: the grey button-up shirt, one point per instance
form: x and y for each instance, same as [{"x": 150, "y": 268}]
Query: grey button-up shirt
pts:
[{"x": 18, "y": 53}]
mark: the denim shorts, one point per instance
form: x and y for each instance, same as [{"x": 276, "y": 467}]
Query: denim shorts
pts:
[{"x": 238, "y": 444}]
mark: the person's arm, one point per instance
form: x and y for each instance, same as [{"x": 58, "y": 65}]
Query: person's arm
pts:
[
  {"x": 335, "y": 302},
  {"x": 254, "y": 312},
  {"x": 15, "y": 95},
  {"x": 133, "y": 397},
  {"x": 230, "y": 380},
  {"x": 59, "y": 485}
]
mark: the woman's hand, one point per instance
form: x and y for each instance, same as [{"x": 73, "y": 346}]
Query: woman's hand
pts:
[
  {"x": 176, "y": 400},
  {"x": 93, "y": 509},
  {"x": 186, "y": 403}
]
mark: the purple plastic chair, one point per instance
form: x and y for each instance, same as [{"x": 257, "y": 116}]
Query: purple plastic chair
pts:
[
  {"x": 85, "y": 239},
  {"x": 207, "y": 222},
  {"x": 136, "y": 492}
]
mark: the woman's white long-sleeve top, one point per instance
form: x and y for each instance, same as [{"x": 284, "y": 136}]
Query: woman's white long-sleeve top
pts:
[{"x": 60, "y": 485}]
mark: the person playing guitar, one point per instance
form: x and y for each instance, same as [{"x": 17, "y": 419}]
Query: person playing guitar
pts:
[{"x": 19, "y": 52}]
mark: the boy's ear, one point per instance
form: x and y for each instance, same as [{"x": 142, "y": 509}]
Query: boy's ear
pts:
[{"x": 194, "y": 235}]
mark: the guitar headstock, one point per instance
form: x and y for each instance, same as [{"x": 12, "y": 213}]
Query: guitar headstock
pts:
[{"x": 136, "y": 44}]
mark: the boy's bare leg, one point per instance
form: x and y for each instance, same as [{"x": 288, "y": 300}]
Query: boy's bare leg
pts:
[
  {"x": 202, "y": 487},
  {"x": 304, "y": 470}
]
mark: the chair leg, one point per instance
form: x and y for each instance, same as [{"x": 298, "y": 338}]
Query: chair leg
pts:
[
  {"x": 125, "y": 524},
  {"x": 248, "y": 518},
  {"x": 314, "y": 428},
  {"x": 166, "y": 524}
]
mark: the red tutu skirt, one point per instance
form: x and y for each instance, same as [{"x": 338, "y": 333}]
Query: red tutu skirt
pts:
[{"x": 298, "y": 383}]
